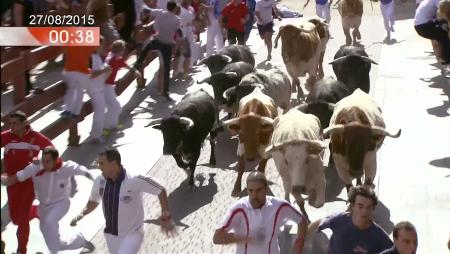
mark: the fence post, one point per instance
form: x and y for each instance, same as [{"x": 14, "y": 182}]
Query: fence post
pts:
[{"x": 74, "y": 138}]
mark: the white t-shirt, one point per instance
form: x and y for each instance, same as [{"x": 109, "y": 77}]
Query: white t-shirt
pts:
[
  {"x": 264, "y": 8},
  {"x": 53, "y": 186},
  {"x": 426, "y": 12},
  {"x": 130, "y": 217},
  {"x": 186, "y": 19},
  {"x": 166, "y": 24},
  {"x": 263, "y": 225}
]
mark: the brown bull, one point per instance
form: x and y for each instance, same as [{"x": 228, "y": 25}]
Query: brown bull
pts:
[
  {"x": 254, "y": 127},
  {"x": 351, "y": 12},
  {"x": 301, "y": 53}
]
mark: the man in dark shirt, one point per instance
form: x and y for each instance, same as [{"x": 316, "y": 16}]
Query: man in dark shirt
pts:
[
  {"x": 405, "y": 239},
  {"x": 354, "y": 231}
]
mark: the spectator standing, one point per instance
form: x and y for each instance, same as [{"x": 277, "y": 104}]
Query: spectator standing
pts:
[
  {"x": 96, "y": 90},
  {"x": 405, "y": 239},
  {"x": 214, "y": 35},
  {"x": 236, "y": 15},
  {"x": 121, "y": 193},
  {"x": 253, "y": 222},
  {"x": 21, "y": 145},
  {"x": 355, "y": 231},
  {"x": 76, "y": 75},
  {"x": 186, "y": 20},
  {"x": 51, "y": 182},
  {"x": 264, "y": 19},
  {"x": 166, "y": 25},
  {"x": 115, "y": 61}
]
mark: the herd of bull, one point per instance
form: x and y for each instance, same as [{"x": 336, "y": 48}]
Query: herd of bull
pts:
[{"x": 339, "y": 110}]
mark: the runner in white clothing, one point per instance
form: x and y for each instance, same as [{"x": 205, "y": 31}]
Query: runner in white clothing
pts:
[
  {"x": 51, "y": 180},
  {"x": 264, "y": 20},
  {"x": 255, "y": 220},
  {"x": 123, "y": 207}
]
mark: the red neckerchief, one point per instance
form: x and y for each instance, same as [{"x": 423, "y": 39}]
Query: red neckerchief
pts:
[{"x": 57, "y": 166}]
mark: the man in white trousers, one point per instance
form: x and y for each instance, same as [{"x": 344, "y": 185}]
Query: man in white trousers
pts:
[
  {"x": 387, "y": 10},
  {"x": 96, "y": 90},
  {"x": 121, "y": 193},
  {"x": 51, "y": 178},
  {"x": 76, "y": 74},
  {"x": 322, "y": 9},
  {"x": 214, "y": 35}
]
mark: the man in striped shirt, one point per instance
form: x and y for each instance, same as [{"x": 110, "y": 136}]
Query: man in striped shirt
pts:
[
  {"x": 255, "y": 220},
  {"x": 121, "y": 193}
]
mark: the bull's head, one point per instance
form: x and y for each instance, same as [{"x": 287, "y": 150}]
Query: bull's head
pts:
[
  {"x": 220, "y": 82},
  {"x": 174, "y": 130},
  {"x": 305, "y": 168},
  {"x": 352, "y": 66},
  {"x": 234, "y": 94},
  {"x": 353, "y": 140},
  {"x": 216, "y": 63},
  {"x": 254, "y": 133}
]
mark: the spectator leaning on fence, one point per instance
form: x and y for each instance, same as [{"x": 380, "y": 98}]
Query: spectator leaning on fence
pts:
[{"x": 427, "y": 26}]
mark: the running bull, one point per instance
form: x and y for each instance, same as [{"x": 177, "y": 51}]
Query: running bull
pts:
[
  {"x": 187, "y": 127},
  {"x": 253, "y": 125},
  {"x": 274, "y": 83},
  {"x": 226, "y": 55},
  {"x": 301, "y": 53},
  {"x": 357, "y": 131},
  {"x": 352, "y": 65},
  {"x": 296, "y": 146}
]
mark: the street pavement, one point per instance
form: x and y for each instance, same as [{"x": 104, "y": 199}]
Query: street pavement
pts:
[{"x": 413, "y": 171}]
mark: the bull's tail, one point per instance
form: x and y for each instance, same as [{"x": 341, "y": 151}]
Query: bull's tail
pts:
[{"x": 275, "y": 45}]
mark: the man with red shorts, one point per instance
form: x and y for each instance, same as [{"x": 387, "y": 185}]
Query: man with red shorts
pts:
[
  {"x": 236, "y": 15},
  {"x": 21, "y": 145}
]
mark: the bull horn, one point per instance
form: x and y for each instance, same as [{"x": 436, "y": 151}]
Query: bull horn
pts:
[
  {"x": 227, "y": 58},
  {"x": 368, "y": 60},
  {"x": 266, "y": 120},
  {"x": 301, "y": 28},
  {"x": 154, "y": 122},
  {"x": 335, "y": 128},
  {"x": 187, "y": 121},
  {"x": 227, "y": 92},
  {"x": 231, "y": 74},
  {"x": 338, "y": 60},
  {"x": 203, "y": 60},
  {"x": 205, "y": 80},
  {"x": 383, "y": 132},
  {"x": 230, "y": 121}
]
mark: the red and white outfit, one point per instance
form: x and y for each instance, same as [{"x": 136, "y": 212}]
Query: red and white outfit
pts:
[
  {"x": 113, "y": 106},
  {"x": 96, "y": 90},
  {"x": 18, "y": 153},
  {"x": 53, "y": 192},
  {"x": 262, "y": 225}
]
